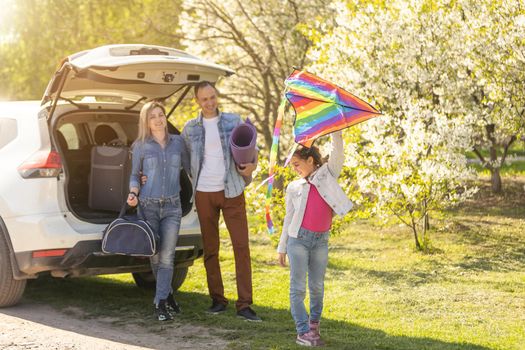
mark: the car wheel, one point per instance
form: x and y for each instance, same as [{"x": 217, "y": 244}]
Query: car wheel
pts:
[
  {"x": 11, "y": 290},
  {"x": 146, "y": 280},
  {"x": 179, "y": 275}
]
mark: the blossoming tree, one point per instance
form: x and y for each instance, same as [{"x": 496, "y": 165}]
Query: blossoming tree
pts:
[
  {"x": 399, "y": 56},
  {"x": 261, "y": 40}
]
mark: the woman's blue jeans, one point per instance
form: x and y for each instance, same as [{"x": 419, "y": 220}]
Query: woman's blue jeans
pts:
[
  {"x": 308, "y": 254},
  {"x": 164, "y": 216}
]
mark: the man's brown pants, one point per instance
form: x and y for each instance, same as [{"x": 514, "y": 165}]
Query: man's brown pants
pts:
[{"x": 209, "y": 205}]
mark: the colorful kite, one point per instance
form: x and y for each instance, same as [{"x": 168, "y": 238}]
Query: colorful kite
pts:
[{"x": 320, "y": 108}]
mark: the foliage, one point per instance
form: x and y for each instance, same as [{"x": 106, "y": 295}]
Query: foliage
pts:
[
  {"x": 256, "y": 199},
  {"x": 260, "y": 40},
  {"x": 491, "y": 76},
  {"x": 40, "y": 33},
  {"x": 409, "y": 162}
]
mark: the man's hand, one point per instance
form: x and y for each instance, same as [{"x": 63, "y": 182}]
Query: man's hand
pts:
[
  {"x": 282, "y": 259},
  {"x": 246, "y": 169}
]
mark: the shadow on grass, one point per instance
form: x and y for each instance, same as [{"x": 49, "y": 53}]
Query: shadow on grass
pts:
[
  {"x": 491, "y": 251},
  {"x": 103, "y": 298},
  {"x": 509, "y": 204}
]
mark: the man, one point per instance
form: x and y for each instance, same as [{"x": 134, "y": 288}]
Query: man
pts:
[{"x": 219, "y": 186}]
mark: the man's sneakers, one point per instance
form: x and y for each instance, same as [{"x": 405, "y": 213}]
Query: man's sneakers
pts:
[
  {"x": 161, "y": 311},
  {"x": 173, "y": 306},
  {"x": 248, "y": 315},
  {"x": 309, "y": 338},
  {"x": 216, "y": 308}
]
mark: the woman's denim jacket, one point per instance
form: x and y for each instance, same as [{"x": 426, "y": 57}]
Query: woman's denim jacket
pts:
[
  {"x": 325, "y": 180},
  {"x": 161, "y": 166},
  {"x": 193, "y": 135}
]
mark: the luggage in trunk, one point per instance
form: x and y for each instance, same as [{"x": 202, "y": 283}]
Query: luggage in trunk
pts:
[{"x": 109, "y": 177}]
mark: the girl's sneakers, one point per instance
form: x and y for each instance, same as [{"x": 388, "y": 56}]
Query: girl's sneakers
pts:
[
  {"x": 309, "y": 339},
  {"x": 314, "y": 327}
]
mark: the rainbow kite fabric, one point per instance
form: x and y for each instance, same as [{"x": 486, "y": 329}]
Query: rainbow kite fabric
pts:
[{"x": 320, "y": 109}]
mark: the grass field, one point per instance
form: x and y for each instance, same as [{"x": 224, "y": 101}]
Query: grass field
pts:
[
  {"x": 380, "y": 293},
  {"x": 514, "y": 169}
]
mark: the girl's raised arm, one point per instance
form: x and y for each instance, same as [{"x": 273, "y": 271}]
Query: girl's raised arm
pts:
[{"x": 336, "y": 159}]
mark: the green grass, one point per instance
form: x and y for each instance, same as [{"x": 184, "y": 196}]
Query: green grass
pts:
[
  {"x": 517, "y": 149},
  {"x": 380, "y": 293},
  {"x": 515, "y": 168}
]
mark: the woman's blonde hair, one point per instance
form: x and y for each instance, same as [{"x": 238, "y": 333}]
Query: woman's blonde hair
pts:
[{"x": 144, "y": 131}]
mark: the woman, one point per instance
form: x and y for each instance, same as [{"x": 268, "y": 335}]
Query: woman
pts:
[{"x": 159, "y": 156}]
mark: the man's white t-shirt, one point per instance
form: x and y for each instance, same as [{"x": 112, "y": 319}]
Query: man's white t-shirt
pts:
[{"x": 211, "y": 178}]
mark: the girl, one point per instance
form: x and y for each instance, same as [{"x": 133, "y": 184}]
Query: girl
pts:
[
  {"x": 310, "y": 204},
  {"x": 159, "y": 157}
]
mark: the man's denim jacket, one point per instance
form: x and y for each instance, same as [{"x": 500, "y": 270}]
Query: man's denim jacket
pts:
[
  {"x": 325, "y": 180},
  {"x": 193, "y": 135}
]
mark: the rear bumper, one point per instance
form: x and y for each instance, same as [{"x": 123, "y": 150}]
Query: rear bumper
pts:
[{"x": 86, "y": 258}]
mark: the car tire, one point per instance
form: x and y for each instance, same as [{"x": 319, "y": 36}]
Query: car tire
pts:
[
  {"x": 146, "y": 280},
  {"x": 11, "y": 290}
]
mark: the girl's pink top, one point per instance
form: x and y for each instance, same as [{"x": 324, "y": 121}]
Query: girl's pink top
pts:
[{"x": 318, "y": 214}]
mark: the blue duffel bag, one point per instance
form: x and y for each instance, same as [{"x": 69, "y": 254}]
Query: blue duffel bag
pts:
[{"x": 129, "y": 235}]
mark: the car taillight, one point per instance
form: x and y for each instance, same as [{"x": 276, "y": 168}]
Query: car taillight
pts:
[{"x": 41, "y": 164}]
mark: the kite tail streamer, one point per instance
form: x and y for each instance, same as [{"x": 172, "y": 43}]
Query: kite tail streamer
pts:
[{"x": 273, "y": 161}]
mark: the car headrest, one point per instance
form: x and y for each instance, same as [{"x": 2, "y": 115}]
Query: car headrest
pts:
[{"x": 104, "y": 134}]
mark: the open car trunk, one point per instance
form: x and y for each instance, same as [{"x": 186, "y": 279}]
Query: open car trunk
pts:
[
  {"x": 135, "y": 73},
  {"x": 81, "y": 136}
]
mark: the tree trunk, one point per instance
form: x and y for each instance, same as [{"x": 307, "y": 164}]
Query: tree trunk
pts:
[
  {"x": 495, "y": 180},
  {"x": 416, "y": 238}
]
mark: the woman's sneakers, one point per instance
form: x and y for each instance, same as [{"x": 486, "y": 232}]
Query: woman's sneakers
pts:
[
  {"x": 161, "y": 311},
  {"x": 309, "y": 339},
  {"x": 173, "y": 306}
]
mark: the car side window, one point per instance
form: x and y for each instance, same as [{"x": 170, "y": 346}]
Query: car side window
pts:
[
  {"x": 70, "y": 135},
  {"x": 8, "y": 131}
]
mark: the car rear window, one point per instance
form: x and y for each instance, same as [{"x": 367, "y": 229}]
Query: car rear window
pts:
[{"x": 8, "y": 131}]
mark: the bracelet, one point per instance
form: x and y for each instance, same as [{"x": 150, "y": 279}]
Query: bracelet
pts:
[{"x": 133, "y": 193}]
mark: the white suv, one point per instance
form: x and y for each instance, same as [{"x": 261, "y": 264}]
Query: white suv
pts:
[{"x": 47, "y": 225}]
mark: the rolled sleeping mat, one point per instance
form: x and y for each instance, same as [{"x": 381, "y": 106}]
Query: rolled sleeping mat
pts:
[{"x": 243, "y": 141}]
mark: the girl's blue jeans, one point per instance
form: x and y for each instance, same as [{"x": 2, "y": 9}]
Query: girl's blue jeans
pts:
[
  {"x": 308, "y": 254},
  {"x": 164, "y": 216}
]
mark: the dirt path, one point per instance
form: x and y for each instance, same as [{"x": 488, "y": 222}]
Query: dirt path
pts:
[{"x": 33, "y": 326}]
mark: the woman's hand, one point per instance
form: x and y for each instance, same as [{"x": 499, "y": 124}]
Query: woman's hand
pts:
[
  {"x": 143, "y": 178},
  {"x": 132, "y": 199},
  {"x": 282, "y": 259}
]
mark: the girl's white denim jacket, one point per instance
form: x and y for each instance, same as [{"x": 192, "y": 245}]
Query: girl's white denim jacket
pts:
[{"x": 325, "y": 180}]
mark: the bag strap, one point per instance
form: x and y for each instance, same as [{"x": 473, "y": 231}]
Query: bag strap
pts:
[
  {"x": 140, "y": 211},
  {"x": 123, "y": 209}
]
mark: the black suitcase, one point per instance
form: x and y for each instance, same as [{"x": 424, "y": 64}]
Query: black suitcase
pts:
[{"x": 109, "y": 177}]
